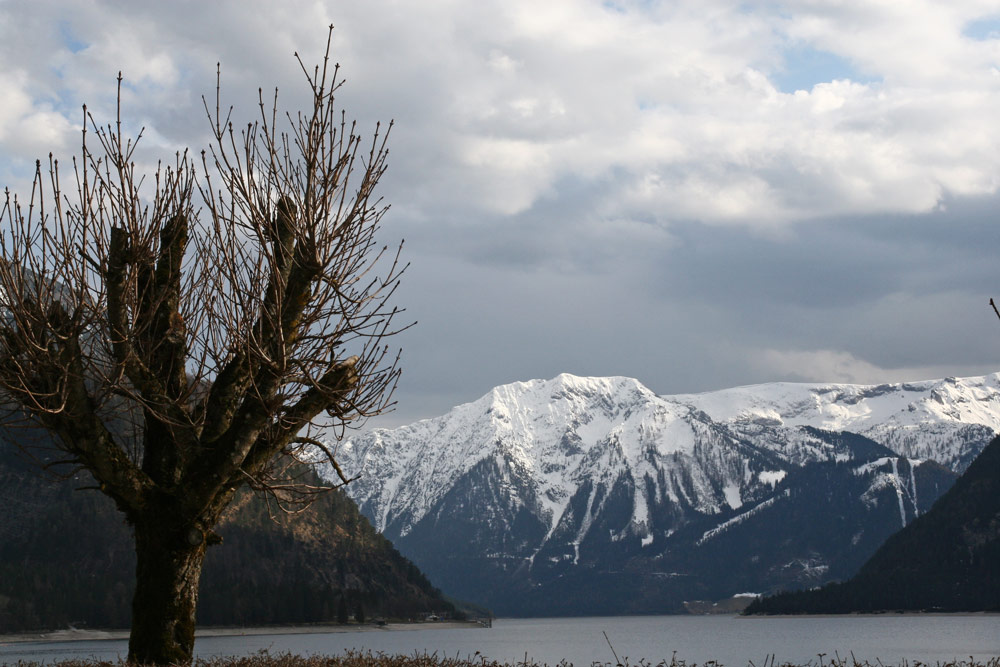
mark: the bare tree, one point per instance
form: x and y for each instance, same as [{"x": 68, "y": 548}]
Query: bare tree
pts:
[{"x": 181, "y": 340}]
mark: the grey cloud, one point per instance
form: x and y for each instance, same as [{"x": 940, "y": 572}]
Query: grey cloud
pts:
[{"x": 899, "y": 292}]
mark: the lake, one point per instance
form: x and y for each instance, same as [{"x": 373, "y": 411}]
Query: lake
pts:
[{"x": 732, "y": 641}]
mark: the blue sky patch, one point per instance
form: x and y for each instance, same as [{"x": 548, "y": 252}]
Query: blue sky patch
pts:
[
  {"x": 805, "y": 66},
  {"x": 983, "y": 29},
  {"x": 69, "y": 39}
]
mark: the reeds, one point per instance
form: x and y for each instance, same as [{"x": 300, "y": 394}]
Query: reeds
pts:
[{"x": 369, "y": 659}]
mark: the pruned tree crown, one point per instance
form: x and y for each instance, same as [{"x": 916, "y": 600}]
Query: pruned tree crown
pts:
[{"x": 187, "y": 335}]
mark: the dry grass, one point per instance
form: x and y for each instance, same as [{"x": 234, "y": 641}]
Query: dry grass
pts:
[{"x": 369, "y": 659}]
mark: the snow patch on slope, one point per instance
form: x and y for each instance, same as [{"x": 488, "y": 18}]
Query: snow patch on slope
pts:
[{"x": 740, "y": 518}]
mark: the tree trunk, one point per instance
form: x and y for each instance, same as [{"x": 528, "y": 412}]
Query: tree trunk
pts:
[{"x": 168, "y": 570}]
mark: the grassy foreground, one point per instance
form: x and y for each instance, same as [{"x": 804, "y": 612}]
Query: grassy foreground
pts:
[{"x": 368, "y": 659}]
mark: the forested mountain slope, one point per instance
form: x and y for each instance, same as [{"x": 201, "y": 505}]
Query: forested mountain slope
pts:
[
  {"x": 66, "y": 557},
  {"x": 946, "y": 560}
]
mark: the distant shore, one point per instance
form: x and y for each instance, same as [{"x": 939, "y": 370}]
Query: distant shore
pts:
[{"x": 75, "y": 634}]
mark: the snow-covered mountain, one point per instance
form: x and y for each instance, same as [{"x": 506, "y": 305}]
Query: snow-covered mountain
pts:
[
  {"x": 944, "y": 420},
  {"x": 589, "y": 480}
]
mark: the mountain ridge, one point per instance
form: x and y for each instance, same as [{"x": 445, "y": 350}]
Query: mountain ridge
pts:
[
  {"x": 745, "y": 422},
  {"x": 549, "y": 475}
]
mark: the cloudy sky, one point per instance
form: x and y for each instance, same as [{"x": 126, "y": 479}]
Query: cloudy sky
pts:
[{"x": 695, "y": 194}]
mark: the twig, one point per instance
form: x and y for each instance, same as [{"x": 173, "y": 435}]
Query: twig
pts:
[{"x": 617, "y": 660}]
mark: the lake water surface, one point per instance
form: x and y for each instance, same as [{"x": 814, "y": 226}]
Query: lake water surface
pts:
[{"x": 732, "y": 641}]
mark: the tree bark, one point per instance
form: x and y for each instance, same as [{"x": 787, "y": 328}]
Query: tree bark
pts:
[{"x": 169, "y": 561}]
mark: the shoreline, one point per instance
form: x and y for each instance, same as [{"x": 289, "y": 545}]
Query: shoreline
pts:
[{"x": 76, "y": 635}]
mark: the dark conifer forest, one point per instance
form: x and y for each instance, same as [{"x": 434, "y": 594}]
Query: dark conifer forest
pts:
[
  {"x": 66, "y": 558},
  {"x": 946, "y": 560}
]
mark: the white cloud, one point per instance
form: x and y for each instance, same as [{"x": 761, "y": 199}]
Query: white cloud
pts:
[
  {"x": 572, "y": 138},
  {"x": 842, "y": 366},
  {"x": 820, "y": 366},
  {"x": 672, "y": 103},
  {"x": 27, "y": 127}
]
